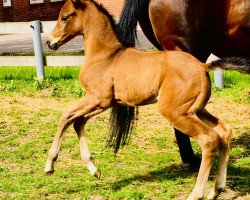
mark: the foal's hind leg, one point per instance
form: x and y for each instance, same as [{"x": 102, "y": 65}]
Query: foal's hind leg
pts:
[
  {"x": 87, "y": 107},
  {"x": 85, "y": 153},
  {"x": 224, "y": 149},
  {"x": 208, "y": 139}
]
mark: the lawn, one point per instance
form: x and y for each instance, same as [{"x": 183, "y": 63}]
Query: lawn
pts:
[{"x": 148, "y": 168}]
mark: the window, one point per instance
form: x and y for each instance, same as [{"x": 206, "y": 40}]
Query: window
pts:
[
  {"x": 36, "y": 1},
  {"x": 6, "y": 3},
  {"x": 55, "y": 0}
]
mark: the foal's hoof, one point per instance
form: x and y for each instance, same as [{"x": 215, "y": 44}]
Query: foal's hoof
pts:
[
  {"x": 49, "y": 173},
  {"x": 195, "y": 196},
  {"x": 49, "y": 170},
  {"x": 194, "y": 164},
  {"x": 97, "y": 174},
  {"x": 214, "y": 194}
]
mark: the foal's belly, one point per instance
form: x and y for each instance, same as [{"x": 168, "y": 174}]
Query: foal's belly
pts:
[
  {"x": 137, "y": 91},
  {"x": 151, "y": 100},
  {"x": 135, "y": 96}
]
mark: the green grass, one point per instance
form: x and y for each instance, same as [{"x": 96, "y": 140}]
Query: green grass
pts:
[
  {"x": 29, "y": 73},
  {"x": 65, "y": 80},
  {"x": 59, "y": 82},
  {"x": 148, "y": 168},
  {"x": 236, "y": 87}
]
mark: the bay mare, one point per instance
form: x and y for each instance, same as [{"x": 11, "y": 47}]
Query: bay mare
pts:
[
  {"x": 114, "y": 74},
  {"x": 198, "y": 27}
]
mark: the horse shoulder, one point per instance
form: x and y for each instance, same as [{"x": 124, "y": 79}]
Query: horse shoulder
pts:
[{"x": 96, "y": 77}]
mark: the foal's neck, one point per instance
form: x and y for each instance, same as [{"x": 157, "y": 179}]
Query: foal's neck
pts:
[{"x": 99, "y": 36}]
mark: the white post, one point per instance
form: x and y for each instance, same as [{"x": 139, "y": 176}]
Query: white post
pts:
[
  {"x": 218, "y": 73},
  {"x": 36, "y": 26},
  {"x": 218, "y": 78}
]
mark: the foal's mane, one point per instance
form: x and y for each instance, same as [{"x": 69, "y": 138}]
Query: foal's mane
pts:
[{"x": 116, "y": 29}]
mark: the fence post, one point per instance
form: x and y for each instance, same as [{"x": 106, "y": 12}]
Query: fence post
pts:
[
  {"x": 218, "y": 73},
  {"x": 218, "y": 78},
  {"x": 37, "y": 41}
]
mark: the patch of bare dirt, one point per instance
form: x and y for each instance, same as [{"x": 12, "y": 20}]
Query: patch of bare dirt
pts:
[{"x": 34, "y": 102}]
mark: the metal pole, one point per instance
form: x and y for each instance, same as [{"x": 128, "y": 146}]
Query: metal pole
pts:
[
  {"x": 218, "y": 78},
  {"x": 218, "y": 73},
  {"x": 37, "y": 41}
]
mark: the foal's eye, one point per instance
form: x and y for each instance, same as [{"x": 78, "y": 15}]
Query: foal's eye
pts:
[{"x": 64, "y": 18}]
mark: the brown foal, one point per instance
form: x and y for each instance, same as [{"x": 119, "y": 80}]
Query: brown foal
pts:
[{"x": 113, "y": 74}]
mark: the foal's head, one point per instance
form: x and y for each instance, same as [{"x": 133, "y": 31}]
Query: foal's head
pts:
[{"x": 68, "y": 24}]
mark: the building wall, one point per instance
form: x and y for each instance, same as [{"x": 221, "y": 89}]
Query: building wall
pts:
[
  {"x": 113, "y": 6},
  {"x": 23, "y": 11}
]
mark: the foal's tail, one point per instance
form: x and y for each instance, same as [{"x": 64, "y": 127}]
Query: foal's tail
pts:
[
  {"x": 122, "y": 121},
  {"x": 231, "y": 63}
]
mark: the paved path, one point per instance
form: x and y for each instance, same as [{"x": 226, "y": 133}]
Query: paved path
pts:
[{"x": 23, "y": 43}]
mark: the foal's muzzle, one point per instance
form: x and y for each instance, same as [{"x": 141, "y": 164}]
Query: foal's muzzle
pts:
[{"x": 53, "y": 46}]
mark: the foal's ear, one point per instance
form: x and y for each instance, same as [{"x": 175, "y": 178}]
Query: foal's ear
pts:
[{"x": 78, "y": 3}]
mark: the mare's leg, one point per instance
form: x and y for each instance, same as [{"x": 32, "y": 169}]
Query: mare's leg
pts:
[
  {"x": 224, "y": 149},
  {"x": 186, "y": 151},
  {"x": 85, "y": 153},
  {"x": 86, "y": 108}
]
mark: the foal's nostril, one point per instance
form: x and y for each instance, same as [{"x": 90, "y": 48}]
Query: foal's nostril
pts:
[{"x": 55, "y": 46}]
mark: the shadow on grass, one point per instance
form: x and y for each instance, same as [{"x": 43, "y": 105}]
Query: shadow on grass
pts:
[
  {"x": 173, "y": 173},
  {"x": 238, "y": 176},
  {"x": 243, "y": 141},
  {"x": 238, "y": 179},
  {"x": 237, "y": 183}
]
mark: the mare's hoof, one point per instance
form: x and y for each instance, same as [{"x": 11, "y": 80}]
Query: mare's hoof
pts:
[{"x": 97, "y": 174}]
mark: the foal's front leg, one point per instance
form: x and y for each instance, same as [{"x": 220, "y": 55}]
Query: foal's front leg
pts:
[
  {"x": 85, "y": 153},
  {"x": 86, "y": 108}
]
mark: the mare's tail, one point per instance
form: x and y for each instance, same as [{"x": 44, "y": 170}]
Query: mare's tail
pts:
[
  {"x": 123, "y": 117},
  {"x": 128, "y": 20},
  {"x": 231, "y": 63},
  {"x": 121, "y": 121}
]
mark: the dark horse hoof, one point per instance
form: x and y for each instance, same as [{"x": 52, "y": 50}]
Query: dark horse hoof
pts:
[{"x": 194, "y": 164}]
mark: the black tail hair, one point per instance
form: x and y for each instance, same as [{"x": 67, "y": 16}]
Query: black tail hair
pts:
[
  {"x": 122, "y": 118},
  {"x": 232, "y": 63},
  {"x": 122, "y": 121},
  {"x": 128, "y": 20}
]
